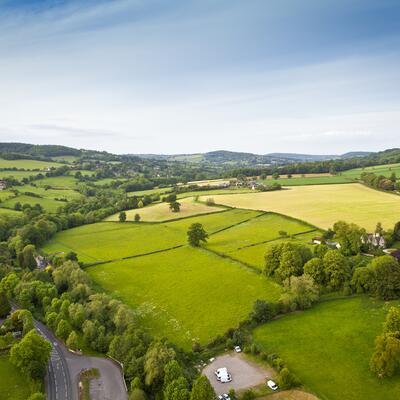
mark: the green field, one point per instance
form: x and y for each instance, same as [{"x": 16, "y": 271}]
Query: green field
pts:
[
  {"x": 48, "y": 204},
  {"x": 185, "y": 294},
  {"x": 310, "y": 180},
  {"x": 323, "y": 205},
  {"x": 7, "y": 211},
  {"x": 28, "y": 164},
  {"x": 5, "y": 194},
  {"x": 19, "y": 175},
  {"x": 112, "y": 240},
  {"x": 385, "y": 170},
  {"x": 13, "y": 385},
  {"x": 265, "y": 227},
  {"x": 58, "y": 182},
  {"x": 329, "y": 347},
  {"x": 254, "y": 255},
  {"x": 161, "y": 211},
  {"x": 68, "y": 194}
]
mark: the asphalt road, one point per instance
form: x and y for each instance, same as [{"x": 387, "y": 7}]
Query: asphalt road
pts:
[
  {"x": 64, "y": 368},
  {"x": 59, "y": 385}
]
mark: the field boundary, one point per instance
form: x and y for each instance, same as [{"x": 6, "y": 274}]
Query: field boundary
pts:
[
  {"x": 273, "y": 240},
  {"x": 244, "y": 265},
  {"x": 223, "y": 209},
  {"x": 86, "y": 265},
  {"x": 241, "y": 222}
]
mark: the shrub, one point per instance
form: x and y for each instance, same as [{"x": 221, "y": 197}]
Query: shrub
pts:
[
  {"x": 287, "y": 380},
  {"x": 248, "y": 395}
]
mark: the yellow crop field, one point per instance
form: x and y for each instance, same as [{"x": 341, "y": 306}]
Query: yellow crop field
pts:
[
  {"x": 323, "y": 205},
  {"x": 161, "y": 212}
]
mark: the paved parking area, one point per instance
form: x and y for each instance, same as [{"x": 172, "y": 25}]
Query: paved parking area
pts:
[{"x": 245, "y": 373}]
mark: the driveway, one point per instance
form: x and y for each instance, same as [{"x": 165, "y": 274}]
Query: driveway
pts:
[{"x": 245, "y": 373}]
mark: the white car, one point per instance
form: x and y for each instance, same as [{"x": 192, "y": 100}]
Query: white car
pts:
[
  {"x": 272, "y": 385},
  {"x": 224, "y": 396},
  {"x": 223, "y": 375},
  {"x": 237, "y": 349}
]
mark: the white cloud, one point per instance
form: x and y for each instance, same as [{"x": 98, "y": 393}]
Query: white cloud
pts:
[{"x": 120, "y": 77}]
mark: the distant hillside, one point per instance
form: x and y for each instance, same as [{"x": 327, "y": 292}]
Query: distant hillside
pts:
[
  {"x": 251, "y": 159},
  {"x": 47, "y": 152}
]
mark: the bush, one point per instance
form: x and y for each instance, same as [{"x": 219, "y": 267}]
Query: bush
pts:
[
  {"x": 287, "y": 380},
  {"x": 248, "y": 395},
  {"x": 278, "y": 363},
  {"x": 37, "y": 396},
  {"x": 137, "y": 394}
]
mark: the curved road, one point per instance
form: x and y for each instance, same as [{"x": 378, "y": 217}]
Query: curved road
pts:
[{"x": 65, "y": 367}]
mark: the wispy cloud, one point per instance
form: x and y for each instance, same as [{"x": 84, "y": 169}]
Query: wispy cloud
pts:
[{"x": 182, "y": 76}]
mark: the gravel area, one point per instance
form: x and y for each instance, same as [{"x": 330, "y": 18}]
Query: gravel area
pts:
[{"x": 245, "y": 373}]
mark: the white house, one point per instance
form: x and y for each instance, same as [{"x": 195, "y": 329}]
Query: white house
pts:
[{"x": 375, "y": 240}]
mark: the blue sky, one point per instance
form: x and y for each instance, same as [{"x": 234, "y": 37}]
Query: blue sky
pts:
[{"x": 170, "y": 76}]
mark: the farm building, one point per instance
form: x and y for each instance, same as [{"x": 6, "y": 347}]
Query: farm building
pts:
[{"x": 3, "y": 185}]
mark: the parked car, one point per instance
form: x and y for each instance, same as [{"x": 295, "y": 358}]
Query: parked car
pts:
[
  {"x": 224, "y": 396},
  {"x": 272, "y": 385},
  {"x": 223, "y": 375},
  {"x": 237, "y": 349}
]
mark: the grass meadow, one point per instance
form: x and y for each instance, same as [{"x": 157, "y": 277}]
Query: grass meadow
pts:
[
  {"x": 13, "y": 385},
  {"x": 7, "y": 211},
  {"x": 68, "y": 194},
  {"x": 48, "y": 204},
  {"x": 161, "y": 212},
  {"x": 28, "y": 164},
  {"x": 113, "y": 240},
  {"x": 309, "y": 180},
  {"x": 18, "y": 175},
  {"x": 185, "y": 294},
  {"x": 385, "y": 170},
  {"x": 329, "y": 347},
  {"x": 323, "y": 205},
  {"x": 58, "y": 182},
  {"x": 254, "y": 254},
  {"x": 261, "y": 229}
]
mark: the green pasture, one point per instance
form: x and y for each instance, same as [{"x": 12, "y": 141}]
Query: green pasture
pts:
[
  {"x": 385, "y": 170},
  {"x": 311, "y": 180},
  {"x": 149, "y": 192},
  {"x": 13, "y": 385},
  {"x": 329, "y": 347},
  {"x": 185, "y": 294},
  {"x": 254, "y": 255},
  {"x": 263, "y": 228},
  {"x": 19, "y": 175},
  {"x": 7, "y": 211},
  {"x": 58, "y": 182},
  {"x": 161, "y": 212},
  {"x": 68, "y": 194},
  {"x": 48, "y": 204},
  {"x": 113, "y": 240},
  {"x": 28, "y": 164},
  {"x": 6, "y": 194},
  {"x": 215, "y": 192}
]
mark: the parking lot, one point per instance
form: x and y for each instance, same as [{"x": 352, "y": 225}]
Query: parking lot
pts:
[{"x": 245, "y": 373}]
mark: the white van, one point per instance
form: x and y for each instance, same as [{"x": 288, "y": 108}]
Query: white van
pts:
[{"x": 223, "y": 375}]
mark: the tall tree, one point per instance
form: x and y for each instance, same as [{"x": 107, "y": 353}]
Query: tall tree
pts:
[
  {"x": 122, "y": 216},
  {"x": 157, "y": 357},
  {"x": 31, "y": 352},
  {"x": 202, "y": 389},
  {"x": 196, "y": 234},
  {"x": 5, "y": 306}
]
